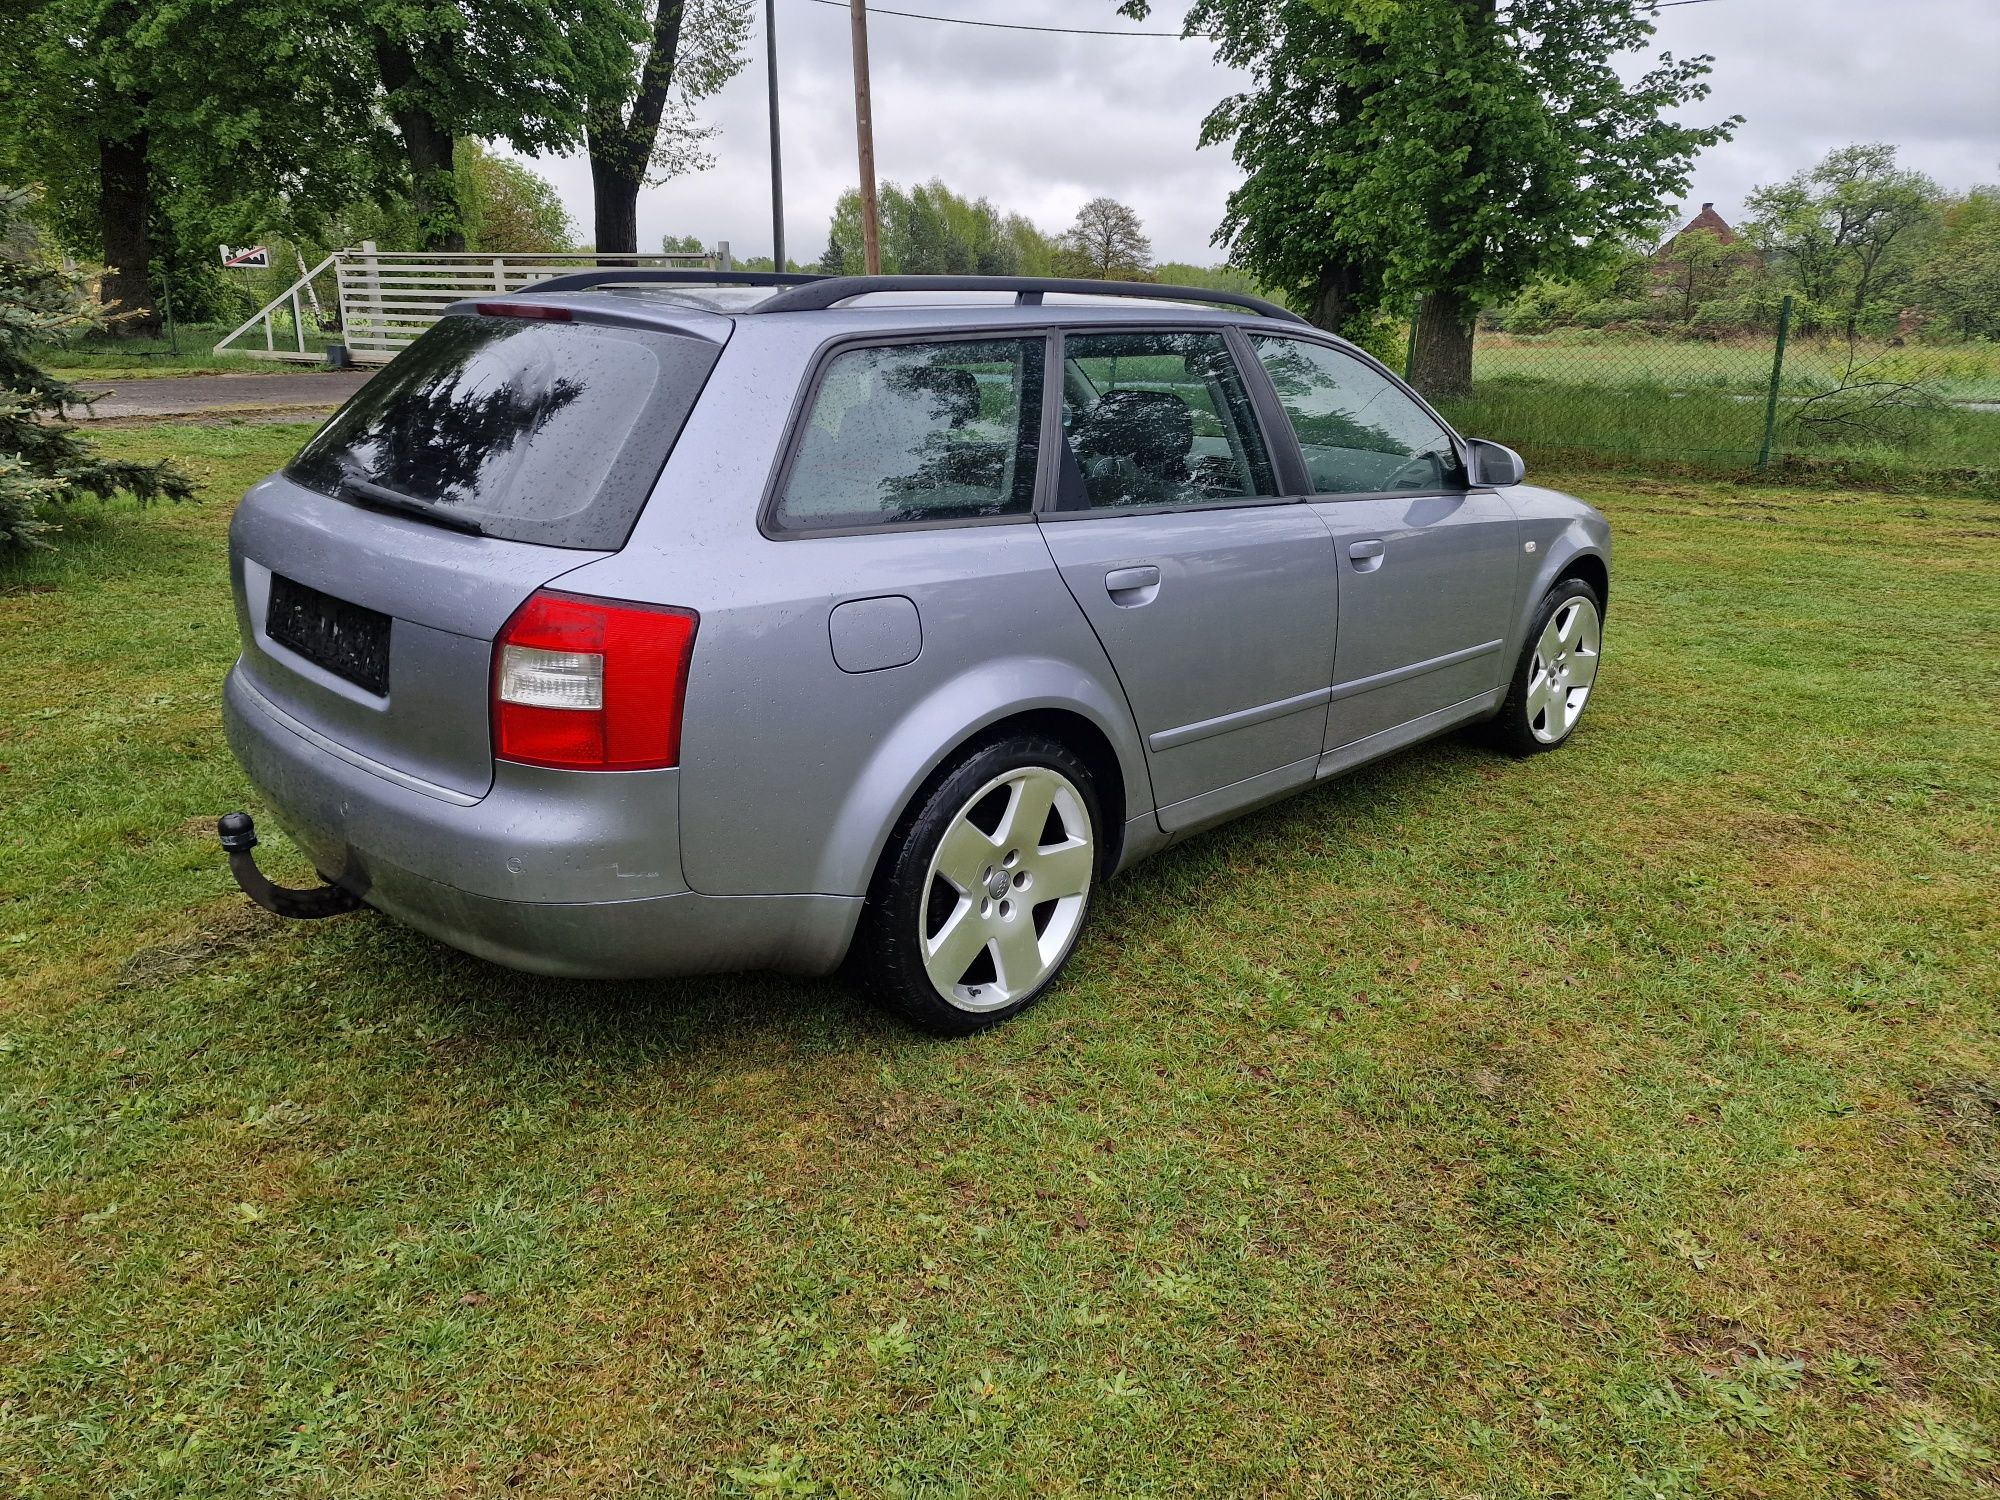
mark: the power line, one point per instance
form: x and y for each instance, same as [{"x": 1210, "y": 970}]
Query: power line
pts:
[{"x": 913, "y": 15}]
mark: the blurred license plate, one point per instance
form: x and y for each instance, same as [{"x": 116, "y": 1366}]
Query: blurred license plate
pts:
[{"x": 349, "y": 641}]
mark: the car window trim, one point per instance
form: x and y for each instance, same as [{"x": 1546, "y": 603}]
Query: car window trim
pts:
[
  {"x": 775, "y": 530},
  {"x": 1045, "y": 499},
  {"x": 1460, "y": 449}
]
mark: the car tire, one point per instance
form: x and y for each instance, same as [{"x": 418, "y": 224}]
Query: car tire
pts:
[
  {"x": 1557, "y": 673},
  {"x": 973, "y": 912}
]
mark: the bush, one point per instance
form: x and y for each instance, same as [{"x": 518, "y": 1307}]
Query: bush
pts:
[{"x": 44, "y": 462}]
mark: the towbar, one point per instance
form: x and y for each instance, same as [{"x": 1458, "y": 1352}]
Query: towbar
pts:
[{"x": 238, "y": 833}]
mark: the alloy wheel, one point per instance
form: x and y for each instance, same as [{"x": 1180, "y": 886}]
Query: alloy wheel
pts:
[
  {"x": 1564, "y": 668},
  {"x": 1006, "y": 889}
]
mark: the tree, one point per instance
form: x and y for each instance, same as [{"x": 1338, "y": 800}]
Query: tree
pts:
[
  {"x": 1443, "y": 152},
  {"x": 508, "y": 208},
  {"x": 519, "y": 71},
  {"x": 1696, "y": 266},
  {"x": 1839, "y": 232},
  {"x": 147, "y": 150},
  {"x": 639, "y": 106},
  {"x": 1107, "y": 242},
  {"x": 1959, "y": 280},
  {"x": 682, "y": 244},
  {"x": 929, "y": 230},
  {"x": 44, "y": 462}
]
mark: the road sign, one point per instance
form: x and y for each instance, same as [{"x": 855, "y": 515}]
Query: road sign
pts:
[{"x": 249, "y": 258}]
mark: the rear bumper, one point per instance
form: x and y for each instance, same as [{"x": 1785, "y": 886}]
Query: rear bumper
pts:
[{"x": 551, "y": 872}]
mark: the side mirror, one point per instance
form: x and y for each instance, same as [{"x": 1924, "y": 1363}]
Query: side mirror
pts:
[{"x": 1495, "y": 466}]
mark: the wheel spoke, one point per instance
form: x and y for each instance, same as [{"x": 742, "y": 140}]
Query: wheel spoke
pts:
[
  {"x": 1567, "y": 622},
  {"x": 1027, "y": 812},
  {"x": 1062, "y": 871},
  {"x": 965, "y": 855},
  {"x": 948, "y": 955},
  {"x": 1583, "y": 669},
  {"x": 1017, "y": 955},
  {"x": 1539, "y": 694}
]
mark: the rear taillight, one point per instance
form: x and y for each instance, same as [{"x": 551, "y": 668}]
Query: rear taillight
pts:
[{"x": 591, "y": 684}]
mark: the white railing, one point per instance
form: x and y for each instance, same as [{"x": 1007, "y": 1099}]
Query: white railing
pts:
[
  {"x": 386, "y": 298},
  {"x": 267, "y": 317}
]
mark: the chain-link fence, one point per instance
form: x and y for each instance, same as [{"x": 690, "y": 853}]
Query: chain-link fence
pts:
[{"x": 1766, "y": 397}]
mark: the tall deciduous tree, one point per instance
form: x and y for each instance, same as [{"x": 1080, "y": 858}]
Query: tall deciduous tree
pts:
[
  {"x": 1107, "y": 242},
  {"x": 640, "y": 123},
  {"x": 120, "y": 110},
  {"x": 1959, "y": 282},
  {"x": 929, "y": 230},
  {"x": 1450, "y": 151},
  {"x": 519, "y": 71},
  {"x": 509, "y": 209},
  {"x": 1839, "y": 232}
]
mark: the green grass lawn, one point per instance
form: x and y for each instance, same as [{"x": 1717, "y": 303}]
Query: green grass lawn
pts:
[
  {"x": 1624, "y": 1122},
  {"x": 190, "y": 350}
]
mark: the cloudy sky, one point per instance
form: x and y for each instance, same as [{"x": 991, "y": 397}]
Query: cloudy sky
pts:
[{"x": 1040, "y": 123}]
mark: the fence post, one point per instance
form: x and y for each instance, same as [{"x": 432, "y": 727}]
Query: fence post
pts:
[
  {"x": 1777, "y": 376},
  {"x": 371, "y": 289}
]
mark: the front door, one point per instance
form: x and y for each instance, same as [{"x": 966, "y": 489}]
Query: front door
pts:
[
  {"x": 1427, "y": 566},
  {"x": 1214, "y": 599}
]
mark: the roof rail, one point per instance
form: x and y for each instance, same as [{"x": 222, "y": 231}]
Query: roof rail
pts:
[
  {"x": 583, "y": 281},
  {"x": 816, "y": 293}
]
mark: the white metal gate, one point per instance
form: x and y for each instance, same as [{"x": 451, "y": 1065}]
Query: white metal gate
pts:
[{"x": 385, "y": 298}]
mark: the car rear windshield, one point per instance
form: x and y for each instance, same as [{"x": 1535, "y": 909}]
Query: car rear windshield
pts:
[{"x": 531, "y": 430}]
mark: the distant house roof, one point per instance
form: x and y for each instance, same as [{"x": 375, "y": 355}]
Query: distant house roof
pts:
[{"x": 1707, "y": 219}]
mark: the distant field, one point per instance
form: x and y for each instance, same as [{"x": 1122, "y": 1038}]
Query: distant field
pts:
[
  {"x": 1960, "y": 372},
  {"x": 1578, "y": 397}
]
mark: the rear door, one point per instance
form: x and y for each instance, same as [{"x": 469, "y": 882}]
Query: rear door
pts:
[
  {"x": 1427, "y": 565},
  {"x": 1213, "y": 597}
]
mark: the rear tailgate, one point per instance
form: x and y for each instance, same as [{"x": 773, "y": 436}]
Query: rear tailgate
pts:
[
  {"x": 442, "y": 596},
  {"x": 499, "y": 452}
]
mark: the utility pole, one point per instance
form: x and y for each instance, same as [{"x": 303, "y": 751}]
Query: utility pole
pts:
[
  {"x": 864, "y": 130},
  {"x": 777, "y": 157}
]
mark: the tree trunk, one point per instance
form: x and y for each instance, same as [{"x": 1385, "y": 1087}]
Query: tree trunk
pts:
[
  {"x": 427, "y": 146},
  {"x": 1335, "y": 300},
  {"x": 1441, "y": 367},
  {"x": 621, "y": 141},
  {"x": 614, "y": 194},
  {"x": 124, "y": 214}
]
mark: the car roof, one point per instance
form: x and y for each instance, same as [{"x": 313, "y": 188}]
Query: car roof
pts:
[{"x": 906, "y": 309}]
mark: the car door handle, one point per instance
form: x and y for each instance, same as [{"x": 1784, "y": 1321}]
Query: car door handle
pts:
[
  {"x": 1366, "y": 556},
  {"x": 1131, "y": 587}
]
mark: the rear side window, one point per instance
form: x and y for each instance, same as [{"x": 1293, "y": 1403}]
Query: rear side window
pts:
[
  {"x": 533, "y": 431},
  {"x": 1157, "y": 419},
  {"x": 1360, "y": 433},
  {"x": 916, "y": 433}
]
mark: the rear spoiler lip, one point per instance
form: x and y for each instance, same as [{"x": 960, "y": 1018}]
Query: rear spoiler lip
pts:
[{"x": 686, "y": 320}]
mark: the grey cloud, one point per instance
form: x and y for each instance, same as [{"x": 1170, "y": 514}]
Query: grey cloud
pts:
[{"x": 1040, "y": 123}]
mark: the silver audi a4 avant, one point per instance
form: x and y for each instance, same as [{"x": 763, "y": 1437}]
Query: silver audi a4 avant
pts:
[{"x": 645, "y": 623}]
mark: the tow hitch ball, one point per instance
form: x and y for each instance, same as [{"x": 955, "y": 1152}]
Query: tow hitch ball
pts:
[{"x": 238, "y": 832}]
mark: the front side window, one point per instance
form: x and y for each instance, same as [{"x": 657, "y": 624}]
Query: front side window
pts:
[
  {"x": 1360, "y": 433},
  {"x": 915, "y": 433},
  {"x": 1157, "y": 419}
]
